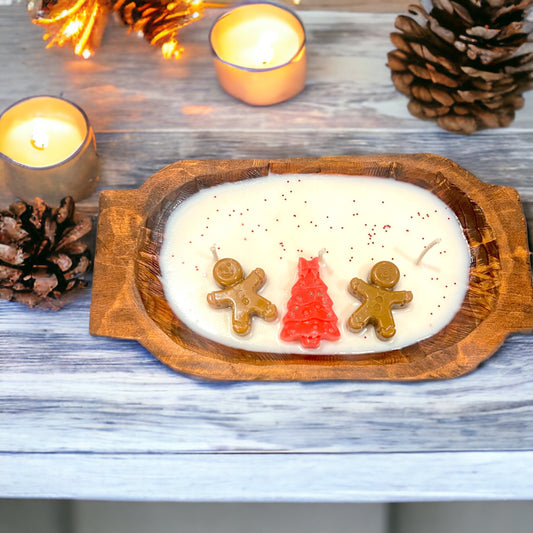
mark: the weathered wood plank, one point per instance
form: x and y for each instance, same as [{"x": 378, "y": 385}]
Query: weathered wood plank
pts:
[
  {"x": 381, "y": 6},
  {"x": 271, "y": 477},
  {"x": 129, "y": 86},
  {"x": 129, "y": 158},
  {"x": 72, "y": 392}
]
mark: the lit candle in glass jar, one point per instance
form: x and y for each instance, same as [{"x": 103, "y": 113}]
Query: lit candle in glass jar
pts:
[
  {"x": 47, "y": 149},
  {"x": 260, "y": 53}
]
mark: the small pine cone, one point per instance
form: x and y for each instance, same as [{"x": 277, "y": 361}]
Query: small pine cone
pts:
[
  {"x": 464, "y": 63},
  {"x": 159, "y": 20},
  {"x": 41, "y": 255}
]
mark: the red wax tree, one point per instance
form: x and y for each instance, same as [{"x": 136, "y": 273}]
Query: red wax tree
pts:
[{"x": 310, "y": 317}]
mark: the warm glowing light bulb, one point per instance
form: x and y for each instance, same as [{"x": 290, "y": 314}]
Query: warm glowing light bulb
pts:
[
  {"x": 264, "y": 51},
  {"x": 73, "y": 27},
  {"x": 170, "y": 49},
  {"x": 39, "y": 138}
]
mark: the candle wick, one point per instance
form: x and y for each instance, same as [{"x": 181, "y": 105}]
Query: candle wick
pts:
[
  {"x": 214, "y": 252},
  {"x": 40, "y": 138},
  {"x": 426, "y": 250},
  {"x": 39, "y": 146},
  {"x": 323, "y": 262}
]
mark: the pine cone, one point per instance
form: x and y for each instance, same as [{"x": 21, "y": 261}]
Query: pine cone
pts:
[
  {"x": 464, "y": 63},
  {"x": 41, "y": 256},
  {"x": 159, "y": 20}
]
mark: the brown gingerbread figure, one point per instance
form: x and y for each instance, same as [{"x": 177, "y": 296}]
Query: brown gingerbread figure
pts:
[
  {"x": 378, "y": 300},
  {"x": 240, "y": 294}
]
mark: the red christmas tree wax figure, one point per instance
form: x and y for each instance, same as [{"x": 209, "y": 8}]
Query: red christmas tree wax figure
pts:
[{"x": 310, "y": 317}]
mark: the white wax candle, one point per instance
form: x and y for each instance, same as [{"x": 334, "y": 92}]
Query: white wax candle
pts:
[
  {"x": 271, "y": 222},
  {"x": 48, "y": 150},
  {"x": 259, "y": 53}
]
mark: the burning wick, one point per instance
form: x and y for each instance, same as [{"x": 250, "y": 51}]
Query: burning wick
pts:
[
  {"x": 426, "y": 250},
  {"x": 39, "y": 139},
  {"x": 264, "y": 49}
]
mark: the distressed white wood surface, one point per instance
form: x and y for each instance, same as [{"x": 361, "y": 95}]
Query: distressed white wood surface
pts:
[
  {"x": 90, "y": 417},
  {"x": 275, "y": 477}
]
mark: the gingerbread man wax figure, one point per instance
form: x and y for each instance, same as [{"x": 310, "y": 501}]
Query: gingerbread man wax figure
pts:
[
  {"x": 240, "y": 294},
  {"x": 378, "y": 299}
]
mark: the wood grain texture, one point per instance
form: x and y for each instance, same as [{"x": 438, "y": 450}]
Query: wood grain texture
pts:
[
  {"x": 382, "y": 6},
  {"x": 277, "y": 477},
  {"x": 129, "y": 302},
  {"x": 82, "y": 416}
]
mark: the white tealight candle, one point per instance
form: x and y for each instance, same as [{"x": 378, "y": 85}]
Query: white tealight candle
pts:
[
  {"x": 270, "y": 222},
  {"x": 259, "y": 53},
  {"x": 47, "y": 148}
]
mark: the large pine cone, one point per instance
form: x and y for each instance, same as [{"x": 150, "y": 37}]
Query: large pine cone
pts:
[
  {"x": 41, "y": 256},
  {"x": 464, "y": 63}
]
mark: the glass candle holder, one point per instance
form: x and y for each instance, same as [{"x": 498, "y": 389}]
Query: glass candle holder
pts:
[
  {"x": 259, "y": 53},
  {"x": 48, "y": 149}
]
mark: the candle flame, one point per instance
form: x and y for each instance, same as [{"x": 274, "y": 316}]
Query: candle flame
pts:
[
  {"x": 40, "y": 138},
  {"x": 264, "y": 51}
]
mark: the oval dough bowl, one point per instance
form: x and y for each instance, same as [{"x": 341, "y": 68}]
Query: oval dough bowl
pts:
[{"x": 128, "y": 299}]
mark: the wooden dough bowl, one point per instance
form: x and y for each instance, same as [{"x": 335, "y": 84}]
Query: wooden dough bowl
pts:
[{"x": 128, "y": 299}]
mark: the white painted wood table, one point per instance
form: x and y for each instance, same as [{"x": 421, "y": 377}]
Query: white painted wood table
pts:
[{"x": 98, "y": 418}]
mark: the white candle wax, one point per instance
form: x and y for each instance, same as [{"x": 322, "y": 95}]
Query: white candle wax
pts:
[
  {"x": 271, "y": 222},
  {"x": 41, "y": 142},
  {"x": 260, "y": 43}
]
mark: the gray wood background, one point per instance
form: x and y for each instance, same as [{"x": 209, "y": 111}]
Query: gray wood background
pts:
[{"x": 89, "y": 417}]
